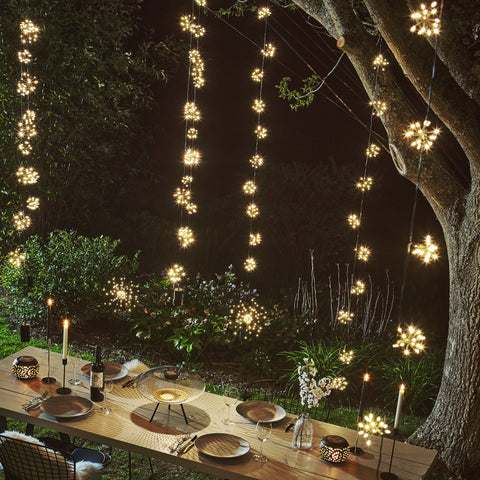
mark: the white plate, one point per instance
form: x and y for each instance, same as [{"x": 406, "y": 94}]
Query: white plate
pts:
[
  {"x": 113, "y": 370},
  {"x": 260, "y": 411},
  {"x": 222, "y": 445}
]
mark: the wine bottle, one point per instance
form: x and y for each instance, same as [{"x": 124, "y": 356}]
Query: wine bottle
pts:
[{"x": 97, "y": 377}]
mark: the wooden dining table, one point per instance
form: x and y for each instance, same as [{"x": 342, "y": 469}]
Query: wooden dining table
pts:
[{"x": 129, "y": 427}]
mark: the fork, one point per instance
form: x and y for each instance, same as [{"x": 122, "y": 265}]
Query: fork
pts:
[
  {"x": 34, "y": 403},
  {"x": 173, "y": 448}
]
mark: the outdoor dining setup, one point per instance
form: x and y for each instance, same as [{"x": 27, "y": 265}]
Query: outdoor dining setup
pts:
[{"x": 165, "y": 413}]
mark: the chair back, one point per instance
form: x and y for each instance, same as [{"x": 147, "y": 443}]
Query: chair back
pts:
[{"x": 23, "y": 460}]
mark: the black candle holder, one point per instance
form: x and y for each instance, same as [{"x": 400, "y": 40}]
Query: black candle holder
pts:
[
  {"x": 48, "y": 379},
  {"x": 64, "y": 390},
  {"x": 389, "y": 475},
  {"x": 25, "y": 332}
]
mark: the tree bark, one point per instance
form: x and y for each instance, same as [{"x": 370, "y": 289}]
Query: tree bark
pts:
[{"x": 453, "y": 427}]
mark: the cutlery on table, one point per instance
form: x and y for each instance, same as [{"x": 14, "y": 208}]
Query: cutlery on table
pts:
[
  {"x": 179, "y": 443},
  {"x": 34, "y": 403},
  {"x": 130, "y": 383},
  {"x": 187, "y": 446}
]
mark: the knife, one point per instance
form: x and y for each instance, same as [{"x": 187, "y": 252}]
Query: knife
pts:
[{"x": 184, "y": 448}]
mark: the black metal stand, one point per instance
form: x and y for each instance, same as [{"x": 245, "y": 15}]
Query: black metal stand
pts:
[
  {"x": 356, "y": 450},
  {"x": 169, "y": 407},
  {"x": 48, "y": 378},
  {"x": 389, "y": 475},
  {"x": 64, "y": 390}
]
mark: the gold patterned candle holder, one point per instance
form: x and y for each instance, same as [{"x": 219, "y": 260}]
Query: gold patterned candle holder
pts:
[
  {"x": 25, "y": 367},
  {"x": 334, "y": 449}
]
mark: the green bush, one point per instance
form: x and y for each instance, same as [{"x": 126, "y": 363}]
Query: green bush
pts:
[{"x": 72, "y": 269}]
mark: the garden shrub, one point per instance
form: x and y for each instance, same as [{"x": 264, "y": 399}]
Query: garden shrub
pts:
[{"x": 72, "y": 269}]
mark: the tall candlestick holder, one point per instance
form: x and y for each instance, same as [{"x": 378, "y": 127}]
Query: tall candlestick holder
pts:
[
  {"x": 389, "y": 475},
  {"x": 64, "y": 390},
  {"x": 48, "y": 379}
]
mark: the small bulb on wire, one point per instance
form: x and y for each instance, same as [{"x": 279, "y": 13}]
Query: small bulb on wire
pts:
[
  {"x": 249, "y": 187},
  {"x": 256, "y": 161},
  {"x": 268, "y": 50},
  {"x": 353, "y": 220},
  {"x": 373, "y": 150},
  {"x": 365, "y": 183},
  {"x": 380, "y": 62},
  {"x": 258, "y": 105},
  {"x": 257, "y": 75},
  {"x": 261, "y": 132},
  {"x": 379, "y": 107}
]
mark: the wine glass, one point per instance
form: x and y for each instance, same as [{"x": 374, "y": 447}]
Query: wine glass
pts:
[
  {"x": 230, "y": 397},
  {"x": 107, "y": 388},
  {"x": 75, "y": 380},
  {"x": 263, "y": 431}
]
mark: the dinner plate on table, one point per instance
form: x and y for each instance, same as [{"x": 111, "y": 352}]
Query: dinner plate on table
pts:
[
  {"x": 222, "y": 445},
  {"x": 113, "y": 370},
  {"x": 260, "y": 411},
  {"x": 66, "y": 406}
]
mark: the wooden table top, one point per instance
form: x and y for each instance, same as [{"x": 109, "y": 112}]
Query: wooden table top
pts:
[{"x": 128, "y": 427}]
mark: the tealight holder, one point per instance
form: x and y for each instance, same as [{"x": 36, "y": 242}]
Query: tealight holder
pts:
[
  {"x": 334, "y": 449},
  {"x": 25, "y": 367}
]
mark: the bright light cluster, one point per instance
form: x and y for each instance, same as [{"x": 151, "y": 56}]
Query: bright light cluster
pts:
[
  {"x": 250, "y": 264},
  {"x": 16, "y": 258},
  {"x": 27, "y": 175},
  {"x": 187, "y": 22},
  {"x": 268, "y": 50},
  {"x": 27, "y": 84},
  {"x": 191, "y": 157},
  {"x": 372, "y": 426},
  {"x": 33, "y": 203},
  {"x": 192, "y": 133},
  {"x": 257, "y": 75},
  {"x": 426, "y": 20},
  {"x": 363, "y": 253},
  {"x": 122, "y": 294},
  {"x": 249, "y": 187},
  {"x": 373, "y": 150},
  {"x": 24, "y": 56},
  {"x": 191, "y": 112},
  {"x": 358, "y": 288},
  {"x": 344, "y": 316},
  {"x": 427, "y": 251},
  {"x": 379, "y": 107},
  {"x": 264, "y": 12},
  {"x": 25, "y": 147},
  {"x": 380, "y": 62},
  {"x": 339, "y": 383},
  {"x": 346, "y": 357},
  {"x": 26, "y": 127},
  {"x": 21, "y": 221},
  {"x": 185, "y": 236},
  {"x": 249, "y": 319},
  {"x": 252, "y": 210},
  {"x": 261, "y": 132},
  {"x": 28, "y": 32},
  {"x": 255, "y": 239},
  {"x": 201, "y": 3},
  {"x": 175, "y": 273},
  {"x": 258, "y": 105},
  {"x": 365, "y": 183},
  {"x": 421, "y": 136},
  {"x": 410, "y": 340},
  {"x": 353, "y": 220},
  {"x": 256, "y": 161},
  {"x": 197, "y": 67},
  {"x": 182, "y": 196}
]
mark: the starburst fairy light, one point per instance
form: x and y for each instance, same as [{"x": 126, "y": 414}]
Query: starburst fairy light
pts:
[
  {"x": 252, "y": 210},
  {"x": 249, "y": 187},
  {"x": 379, "y": 107},
  {"x": 191, "y": 112},
  {"x": 380, "y": 62},
  {"x": 191, "y": 208},
  {"x": 255, "y": 239},
  {"x": 344, "y": 316},
  {"x": 426, "y": 20},
  {"x": 26, "y": 127},
  {"x": 339, "y": 383},
  {"x": 16, "y": 258},
  {"x": 28, "y": 32},
  {"x": 192, "y": 133},
  {"x": 427, "y": 251},
  {"x": 187, "y": 180},
  {"x": 25, "y": 147},
  {"x": 263, "y": 12},
  {"x": 256, "y": 161},
  {"x": 363, "y": 253},
  {"x": 182, "y": 196},
  {"x": 27, "y": 84},
  {"x": 365, "y": 183},
  {"x": 33, "y": 203},
  {"x": 191, "y": 157},
  {"x": 122, "y": 294},
  {"x": 27, "y": 175},
  {"x": 201, "y": 3},
  {"x": 24, "y": 56},
  {"x": 21, "y": 221},
  {"x": 187, "y": 24},
  {"x": 175, "y": 273},
  {"x": 346, "y": 357},
  {"x": 257, "y": 75},
  {"x": 261, "y": 132},
  {"x": 185, "y": 236},
  {"x": 197, "y": 68},
  {"x": 249, "y": 318},
  {"x": 358, "y": 288},
  {"x": 268, "y": 50},
  {"x": 410, "y": 339},
  {"x": 250, "y": 264},
  {"x": 372, "y": 426},
  {"x": 353, "y": 220},
  {"x": 258, "y": 105},
  {"x": 421, "y": 136},
  {"x": 373, "y": 150}
]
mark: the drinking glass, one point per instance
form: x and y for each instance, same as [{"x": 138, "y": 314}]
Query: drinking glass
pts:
[
  {"x": 263, "y": 431},
  {"x": 107, "y": 388},
  {"x": 75, "y": 380},
  {"x": 230, "y": 397}
]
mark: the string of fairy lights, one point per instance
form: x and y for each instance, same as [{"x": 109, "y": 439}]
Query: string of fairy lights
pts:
[
  {"x": 250, "y": 187},
  {"x": 26, "y": 131},
  {"x": 183, "y": 194}
]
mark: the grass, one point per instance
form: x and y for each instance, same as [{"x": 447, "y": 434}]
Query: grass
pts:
[{"x": 118, "y": 470}]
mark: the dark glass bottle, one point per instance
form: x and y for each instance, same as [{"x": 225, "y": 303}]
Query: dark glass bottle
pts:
[{"x": 97, "y": 377}]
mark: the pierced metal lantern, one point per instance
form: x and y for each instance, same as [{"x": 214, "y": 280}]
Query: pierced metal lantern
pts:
[
  {"x": 25, "y": 367},
  {"x": 334, "y": 449}
]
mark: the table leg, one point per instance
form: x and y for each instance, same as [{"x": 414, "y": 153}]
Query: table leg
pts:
[
  {"x": 29, "y": 429},
  {"x": 3, "y": 423}
]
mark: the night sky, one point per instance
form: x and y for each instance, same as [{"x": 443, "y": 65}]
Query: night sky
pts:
[{"x": 322, "y": 132}]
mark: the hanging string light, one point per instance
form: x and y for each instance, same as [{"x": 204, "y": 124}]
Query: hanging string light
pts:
[
  {"x": 346, "y": 357},
  {"x": 353, "y": 220},
  {"x": 122, "y": 294},
  {"x": 16, "y": 258},
  {"x": 358, "y": 288},
  {"x": 363, "y": 253},
  {"x": 427, "y": 251},
  {"x": 426, "y": 20},
  {"x": 345, "y": 316},
  {"x": 410, "y": 339},
  {"x": 421, "y": 136}
]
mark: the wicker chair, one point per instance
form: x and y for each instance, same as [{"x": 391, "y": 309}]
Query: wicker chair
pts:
[{"x": 28, "y": 458}]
